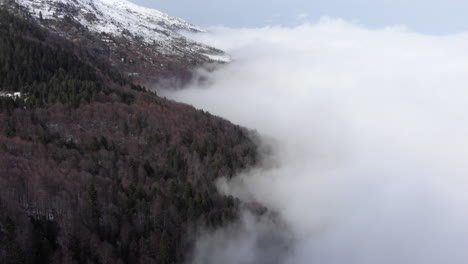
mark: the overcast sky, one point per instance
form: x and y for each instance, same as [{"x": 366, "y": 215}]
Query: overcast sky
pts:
[{"x": 425, "y": 16}]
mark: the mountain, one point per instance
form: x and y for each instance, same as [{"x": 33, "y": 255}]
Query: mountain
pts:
[
  {"x": 143, "y": 43},
  {"x": 93, "y": 167}
]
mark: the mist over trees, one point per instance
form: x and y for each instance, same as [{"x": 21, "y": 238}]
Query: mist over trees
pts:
[{"x": 370, "y": 142}]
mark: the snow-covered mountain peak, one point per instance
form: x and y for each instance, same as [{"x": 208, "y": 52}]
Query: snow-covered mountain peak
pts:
[{"x": 112, "y": 17}]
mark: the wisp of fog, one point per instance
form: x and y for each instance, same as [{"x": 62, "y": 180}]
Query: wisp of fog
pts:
[{"x": 370, "y": 144}]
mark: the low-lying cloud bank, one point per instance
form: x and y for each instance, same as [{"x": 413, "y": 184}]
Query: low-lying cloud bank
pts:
[{"x": 371, "y": 130}]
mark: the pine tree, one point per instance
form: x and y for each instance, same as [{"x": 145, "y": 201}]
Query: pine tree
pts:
[{"x": 165, "y": 248}]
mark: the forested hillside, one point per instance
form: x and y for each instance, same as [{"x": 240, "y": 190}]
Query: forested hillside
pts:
[
  {"x": 93, "y": 168},
  {"x": 46, "y": 67}
]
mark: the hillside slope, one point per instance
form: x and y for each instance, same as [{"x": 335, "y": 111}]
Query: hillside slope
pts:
[{"x": 94, "y": 169}]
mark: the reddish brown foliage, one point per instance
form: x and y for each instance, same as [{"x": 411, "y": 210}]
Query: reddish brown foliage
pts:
[{"x": 152, "y": 165}]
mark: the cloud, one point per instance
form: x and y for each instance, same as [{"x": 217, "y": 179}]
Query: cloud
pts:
[
  {"x": 371, "y": 148},
  {"x": 302, "y": 16}
]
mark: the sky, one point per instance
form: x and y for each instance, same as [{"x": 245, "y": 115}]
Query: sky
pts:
[{"x": 423, "y": 16}]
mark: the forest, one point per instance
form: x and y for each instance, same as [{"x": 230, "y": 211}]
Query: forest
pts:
[{"x": 94, "y": 168}]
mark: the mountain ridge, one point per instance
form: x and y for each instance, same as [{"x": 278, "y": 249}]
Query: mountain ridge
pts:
[{"x": 142, "y": 43}]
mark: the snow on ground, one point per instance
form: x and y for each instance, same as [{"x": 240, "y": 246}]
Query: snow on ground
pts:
[
  {"x": 111, "y": 16},
  {"x": 14, "y": 95},
  {"x": 220, "y": 58}
]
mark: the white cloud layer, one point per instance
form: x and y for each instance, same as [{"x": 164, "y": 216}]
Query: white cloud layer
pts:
[{"x": 371, "y": 132}]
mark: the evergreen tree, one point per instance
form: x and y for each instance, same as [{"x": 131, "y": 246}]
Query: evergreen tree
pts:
[{"x": 165, "y": 249}]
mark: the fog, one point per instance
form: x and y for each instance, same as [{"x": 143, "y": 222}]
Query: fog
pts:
[{"x": 369, "y": 130}]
